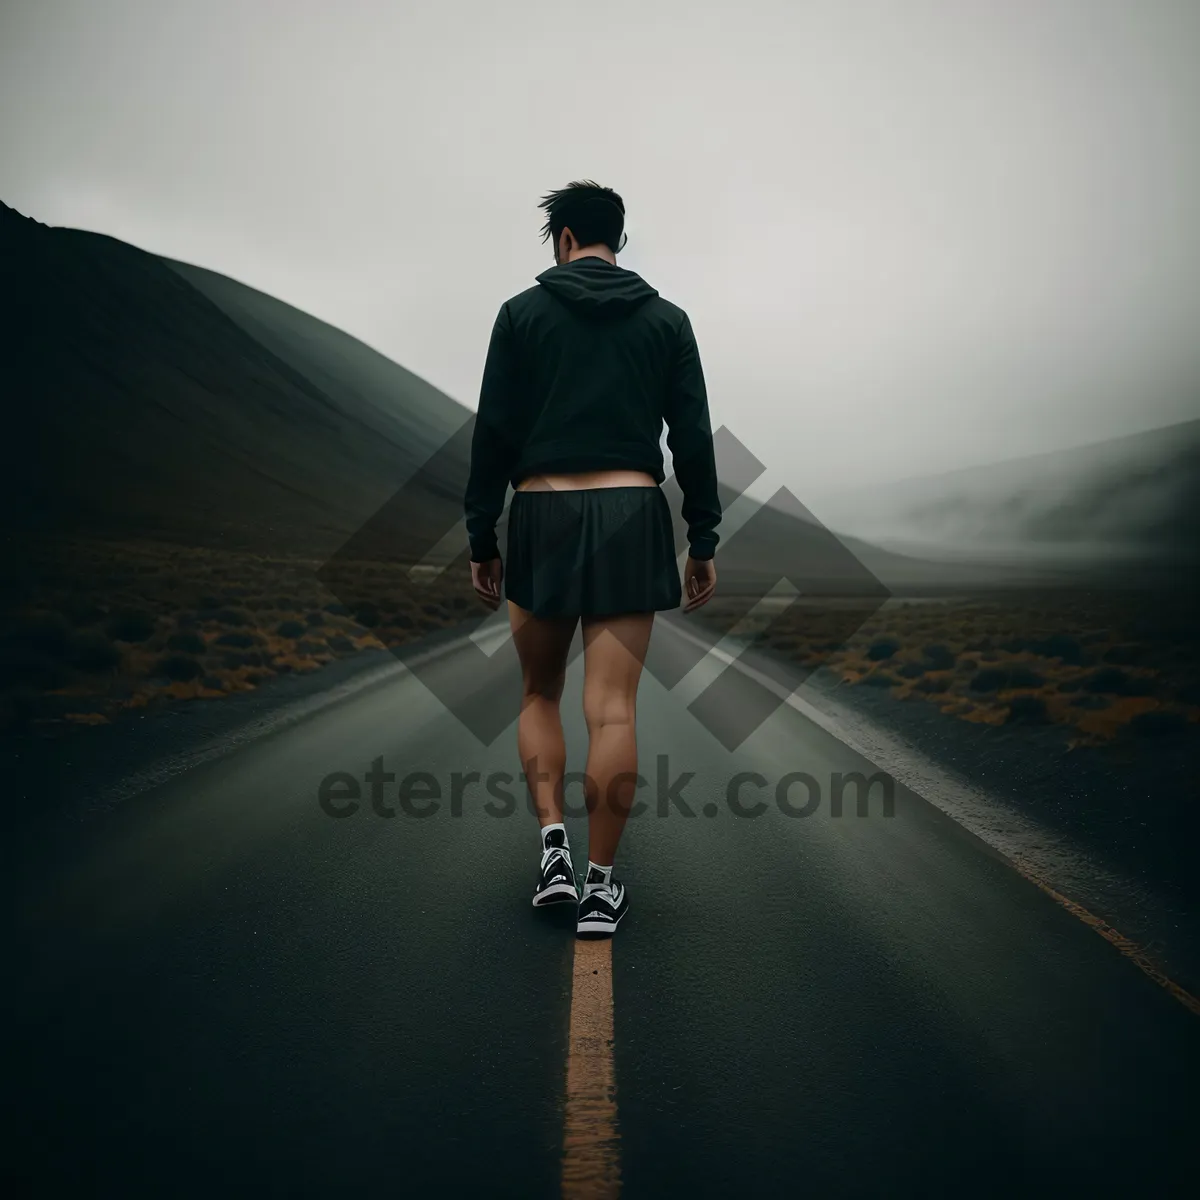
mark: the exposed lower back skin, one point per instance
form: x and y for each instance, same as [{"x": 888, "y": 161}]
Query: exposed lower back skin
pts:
[{"x": 586, "y": 479}]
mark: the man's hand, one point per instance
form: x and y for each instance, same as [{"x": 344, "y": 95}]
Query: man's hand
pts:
[
  {"x": 699, "y": 582},
  {"x": 486, "y": 578}
]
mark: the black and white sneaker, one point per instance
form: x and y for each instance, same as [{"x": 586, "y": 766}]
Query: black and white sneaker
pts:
[
  {"x": 556, "y": 879},
  {"x": 601, "y": 909}
]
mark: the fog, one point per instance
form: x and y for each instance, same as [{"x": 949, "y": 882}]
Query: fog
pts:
[{"x": 912, "y": 237}]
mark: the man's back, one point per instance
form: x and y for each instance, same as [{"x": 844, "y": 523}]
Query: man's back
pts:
[
  {"x": 582, "y": 371},
  {"x": 599, "y": 347}
]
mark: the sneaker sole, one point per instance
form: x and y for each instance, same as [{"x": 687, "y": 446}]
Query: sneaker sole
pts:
[
  {"x": 597, "y": 929},
  {"x": 558, "y": 893}
]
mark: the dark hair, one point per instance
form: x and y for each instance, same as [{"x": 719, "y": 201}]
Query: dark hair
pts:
[{"x": 594, "y": 213}]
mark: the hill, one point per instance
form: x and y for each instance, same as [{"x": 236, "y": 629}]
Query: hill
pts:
[
  {"x": 1129, "y": 500},
  {"x": 150, "y": 398}
]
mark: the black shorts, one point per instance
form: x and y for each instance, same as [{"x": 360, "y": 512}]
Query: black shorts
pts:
[{"x": 592, "y": 552}]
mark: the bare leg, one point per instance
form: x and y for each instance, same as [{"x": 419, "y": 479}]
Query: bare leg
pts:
[
  {"x": 543, "y": 644},
  {"x": 613, "y": 655}
]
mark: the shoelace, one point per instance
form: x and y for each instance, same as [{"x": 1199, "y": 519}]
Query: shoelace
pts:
[
  {"x": 549, "y": 853},
  {"x": 603, "y": 891}
]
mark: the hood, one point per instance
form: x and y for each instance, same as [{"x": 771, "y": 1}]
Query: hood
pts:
[{"x": 596, "y": 287}]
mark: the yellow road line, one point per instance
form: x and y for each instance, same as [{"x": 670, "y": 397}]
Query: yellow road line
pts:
[
  {"x": 1131, "y": 950},
  {"x": 591, "y": 1165}
]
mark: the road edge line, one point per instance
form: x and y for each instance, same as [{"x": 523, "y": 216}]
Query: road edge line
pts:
[{"x": 1126, "y": 946}]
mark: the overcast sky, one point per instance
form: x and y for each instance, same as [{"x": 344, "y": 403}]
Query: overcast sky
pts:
[{"x": 912, "y": 235}]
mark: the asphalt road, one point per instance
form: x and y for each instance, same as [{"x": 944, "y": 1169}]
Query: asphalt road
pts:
[{"x": 218, "y": 988}]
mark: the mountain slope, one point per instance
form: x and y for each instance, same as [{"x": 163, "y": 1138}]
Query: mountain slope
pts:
[
  {"x": 138, "y": 406},
  {"x": 1132, "y": 496},
  {"x": 400, "y": 406}
]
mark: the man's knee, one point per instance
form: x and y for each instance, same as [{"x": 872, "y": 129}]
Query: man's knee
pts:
[
  {"x": 542, "y": 687},
  {"x": 601, "y": 709}
]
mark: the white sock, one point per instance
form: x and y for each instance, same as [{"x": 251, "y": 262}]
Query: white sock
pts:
[
  {"x": 555, "y": 835},
  {"x": 597, "y": 876}
]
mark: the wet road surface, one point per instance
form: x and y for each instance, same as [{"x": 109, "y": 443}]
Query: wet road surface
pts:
[{"x": 219, "y": 986}]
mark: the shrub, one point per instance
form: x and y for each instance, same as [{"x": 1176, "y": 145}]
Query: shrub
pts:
[
  {"x": 911, "y": 670},
  {"x": 933, "y": 683},
  {"x": 878, "y": 679},
  {"x": 338, "y": 610},
  {"x": 1141, "y": 685},
  {"x": 939, "y": 657},
  {"x": 1026, "y": 710},
  {"x": 242, "y": 641},
  {"x": 233, "y": 616},
  {"x": 131, "y": 625},
  {"x": 1023, "y": 677},
  {"x": 93, "y": 652},
  {"x": 178, "y": 667},
  {"x": 1118, "y": 683},
  {"x": 187, "y": 643},
  {"x": 992, "y": 679},
  {"x": 340, "y": 644},
  {"x": 1060, "y": 646},
  {"x": 291, "y": 629},
  {"x": 1157, "y": 722},
  {"x": 1124, "y": 654},
  {"x": 989, "y": 680},
  {"x": 315, "y": 618},
  {"x": 882, "y": 648},
  {"x": 242, "y": 658}
]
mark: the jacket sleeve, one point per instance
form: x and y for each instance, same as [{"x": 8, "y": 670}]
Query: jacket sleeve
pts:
[
  {"x": 494, "y": 444},
  {"x": 689, "y": 438}
]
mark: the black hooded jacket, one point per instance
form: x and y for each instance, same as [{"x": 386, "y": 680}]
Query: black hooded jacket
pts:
[{"x": 581, "y": 372}]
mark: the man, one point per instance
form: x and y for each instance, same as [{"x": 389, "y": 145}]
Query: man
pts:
[{"x": 582, "y": 371}]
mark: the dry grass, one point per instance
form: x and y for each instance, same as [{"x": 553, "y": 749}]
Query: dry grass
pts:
[
  {"x": 1102, "y": 666},
  {"x": 100, "y": 628}
]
